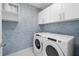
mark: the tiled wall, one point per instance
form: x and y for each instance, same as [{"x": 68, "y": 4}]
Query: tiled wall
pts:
[
  {"x": 19, "y": 35},
  {"x": 68, "y": 27}
]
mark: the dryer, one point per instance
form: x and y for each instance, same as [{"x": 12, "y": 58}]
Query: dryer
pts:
[{"x": 58, "y": 45}]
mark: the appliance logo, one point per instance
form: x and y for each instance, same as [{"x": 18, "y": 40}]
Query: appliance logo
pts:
[{"x": 59, "y": 41}]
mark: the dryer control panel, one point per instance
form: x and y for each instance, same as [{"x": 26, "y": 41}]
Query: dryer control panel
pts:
[
  {"x": 59, "y": 41},
  {"x": 52, "y": 39}
]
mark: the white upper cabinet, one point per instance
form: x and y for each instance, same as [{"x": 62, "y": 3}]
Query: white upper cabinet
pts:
[
  {"x": 59, "y": 12},
  {"x": 50, "y": 14},
  {"x": 70, "y": 11},
  {"x": 10, "y": 11}
]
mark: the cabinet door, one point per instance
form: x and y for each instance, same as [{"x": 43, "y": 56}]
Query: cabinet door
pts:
[
  {"x": 55, "y": 15},
  {"x": 71, "y": 11},
  {"x": 44, "y": 16},
  {"x": 47, "y": 15},
  {"x": 40, "y": 17}
]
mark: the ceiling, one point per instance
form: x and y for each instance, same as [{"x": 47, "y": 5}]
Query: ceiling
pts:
[{"x": 40, "y": 5}]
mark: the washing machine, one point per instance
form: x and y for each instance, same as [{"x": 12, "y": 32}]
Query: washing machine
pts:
[
  {"x": 58, "y": 45},
  {"x": 38, "y": 43}
]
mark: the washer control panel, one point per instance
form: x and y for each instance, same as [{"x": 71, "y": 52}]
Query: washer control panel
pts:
[{"x": 37, "y": 35}]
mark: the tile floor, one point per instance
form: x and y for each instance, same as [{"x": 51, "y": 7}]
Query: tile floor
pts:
[{"x": 25, "y": 52}]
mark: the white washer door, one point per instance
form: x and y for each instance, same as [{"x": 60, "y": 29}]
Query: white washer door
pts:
[
  {"x": 50, "y": 48},
  {"x": 37, "y": 44}
]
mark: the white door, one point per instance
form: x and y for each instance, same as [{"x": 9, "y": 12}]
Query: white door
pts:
[
  {"x": 71, "y": 11},
  {"x": 0, "y": 29}
]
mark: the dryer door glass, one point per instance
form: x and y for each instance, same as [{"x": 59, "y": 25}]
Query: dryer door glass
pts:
[
  {"x": 51, "y": 51},
  {"x": 37, "y": 43}
]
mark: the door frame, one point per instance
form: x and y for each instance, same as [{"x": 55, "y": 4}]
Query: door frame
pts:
[{"x": 1, "y": 48}]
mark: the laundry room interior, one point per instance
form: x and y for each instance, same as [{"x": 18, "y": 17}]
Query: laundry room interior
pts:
[{"x": 39, "y": 29}]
